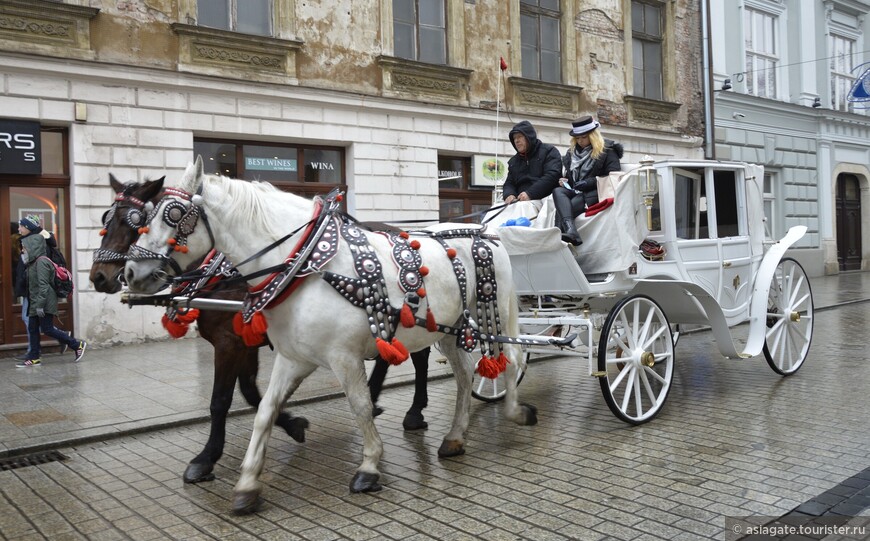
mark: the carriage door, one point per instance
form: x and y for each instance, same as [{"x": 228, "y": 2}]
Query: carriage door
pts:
[
  {"x": 735, "y": 249},
  {"x": 848, "y": 222}
]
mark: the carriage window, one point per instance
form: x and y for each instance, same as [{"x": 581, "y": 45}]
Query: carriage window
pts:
[
  {"x": 725, "y": 188},
  {"x": 690, "y": 205}
]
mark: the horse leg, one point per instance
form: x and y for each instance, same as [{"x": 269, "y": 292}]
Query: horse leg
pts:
[
  {"x": 521, "y": 414},
  {"x": 454, "y": 441},
  {"x": 286, "y": 377},
  {"x": 352, "y": 376},
  {"x": 376, "y": 383},
  {"x": 294, "y": 426},
  {"x": 201, "y": 467},
  {"x": 414, "y": 418}
]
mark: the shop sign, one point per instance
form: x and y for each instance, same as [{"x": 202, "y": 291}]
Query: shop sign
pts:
[
  {"x": 19, "y": 148},
  {"x": 269, "y": 164}
]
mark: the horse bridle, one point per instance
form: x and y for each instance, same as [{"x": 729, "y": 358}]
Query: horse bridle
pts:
[
  {"x": 179, "y": 216},
  {"x": 136, "y": 218}
]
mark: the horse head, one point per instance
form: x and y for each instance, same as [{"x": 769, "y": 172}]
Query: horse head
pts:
[
  {"x": 121, "y": 226},
  {"x": 171, "y": 241}
]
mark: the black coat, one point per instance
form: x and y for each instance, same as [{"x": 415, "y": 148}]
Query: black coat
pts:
[
  {"x": 536, "y": 173},
  {"x": 603, "y": 166}
]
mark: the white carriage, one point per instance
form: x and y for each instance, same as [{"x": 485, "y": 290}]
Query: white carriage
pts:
[{"x": 626, "y": 305}]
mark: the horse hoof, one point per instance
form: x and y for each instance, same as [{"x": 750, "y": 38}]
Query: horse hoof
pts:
[
  {"x": 377, "y": 410},
  {"x": 365, "y": 482},
  {"x": 414, "y": 421},
  {"x": 296, "y": 428},
  {"x": 451, "y": 448},
  {"x": 530, "y": 414},
  {"x": 245, "y": 503},
  {"x": 197, "y": 473}
]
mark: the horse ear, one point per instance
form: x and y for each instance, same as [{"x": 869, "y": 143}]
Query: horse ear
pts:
[
  {"x": 116, "y": 184},
  {"x": 153, "y": 188},
  {"x": 198, "y": 165}
]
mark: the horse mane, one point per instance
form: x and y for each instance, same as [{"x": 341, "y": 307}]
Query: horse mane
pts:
[{"x": 252, "y": 204}]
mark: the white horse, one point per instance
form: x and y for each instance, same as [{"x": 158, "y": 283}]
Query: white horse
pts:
[{"x": 315, "y": 325}]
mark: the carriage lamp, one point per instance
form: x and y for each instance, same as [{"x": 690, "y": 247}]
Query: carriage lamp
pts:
[{"x": 649, "y": 187}]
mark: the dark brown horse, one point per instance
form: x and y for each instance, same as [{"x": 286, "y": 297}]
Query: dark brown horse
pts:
[{"x": 233, "y": 360}]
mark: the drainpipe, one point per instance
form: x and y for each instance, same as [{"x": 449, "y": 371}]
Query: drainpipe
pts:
[{"x": 706, "y": 54}]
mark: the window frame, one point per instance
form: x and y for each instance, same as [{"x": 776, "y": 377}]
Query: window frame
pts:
[
  {"x": 841, "y": 81},
  {"x": 647, "y": 39},
  {"x": 416, "y": 25},
  {"x": 469, "y": 194},
  {"x": 299, "y": 186},
  {"x": 536, "y": 11},
  {"x": 232, "y": 13},
  {"x": 755, "y": 54}
]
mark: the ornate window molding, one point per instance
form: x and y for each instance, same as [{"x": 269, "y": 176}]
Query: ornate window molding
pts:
[
  {"x": 660, "y": 114},
  {"x": 404, "y": 78},
  {"x": 42, "y": 27},
  {"x": 534, "y": 95},
  {"x": 230, "y": 54}
]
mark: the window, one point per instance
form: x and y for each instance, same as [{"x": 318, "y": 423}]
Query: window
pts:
[
  {"x": 245, "y": 16},
  {"x": 690, "y": 205},
  {"x": 647, "y": 36},
  {"x": 842, "y": 78},
  {"x": 727, "y": 203},
  {"x": 455, "y": 194},
  {"x": 540, "y": 33},
  {"x": 769, "y": 196},
  {"x": 303, "y": 170},
  {"x": 420, "y": 30},
  {"x": 760, "y": 30}
]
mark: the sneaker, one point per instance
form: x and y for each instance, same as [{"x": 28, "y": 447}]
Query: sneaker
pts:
[
  {"x": 64, "y": 346},
  {"x": 80, "y": 350},
  {"x": 28, "y": 362},
  {"x": 23, "y": 357}
]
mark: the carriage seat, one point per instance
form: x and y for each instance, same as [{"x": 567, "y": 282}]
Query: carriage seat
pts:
[{"x": 610, "y": 237}]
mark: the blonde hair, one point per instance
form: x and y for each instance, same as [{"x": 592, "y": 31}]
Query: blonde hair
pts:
[{"x": 595, "y": 139}]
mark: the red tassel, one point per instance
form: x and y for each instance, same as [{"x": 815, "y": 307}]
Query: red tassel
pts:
[
  {"x": 406, "y": 316},
  {"x": 431, "y": 326},
  {"x": 451, "y": 253},
  {"x": 487, "y": 367},
  {"x": 258, "y": 323},
  {"x": 421, "y": 292},
  {"x": 415, "y": 244},
  {"x": 175, "y": 329},
  {"x": 188, "y": 317},
  {"x": 502, "y": 362},
  {"x": 387, "y": 351},
  {"x": 404, "y": 234},
  {"x": 401, "y": 350},
  {"x": 238, "y": 323},
  {"x": 251, "y": 337},
  {"x": 103, "y": 232},
  {"x": 502, "y": 63},
  {"x": 424, "y": 270}
]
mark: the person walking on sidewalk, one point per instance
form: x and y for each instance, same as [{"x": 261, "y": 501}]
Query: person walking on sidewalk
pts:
[
  {"x": 42, "y": 300},
  {"x": 28, "y": 226}
]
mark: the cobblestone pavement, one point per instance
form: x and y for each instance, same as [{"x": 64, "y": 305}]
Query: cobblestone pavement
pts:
[{"x": 734, "y": 439}]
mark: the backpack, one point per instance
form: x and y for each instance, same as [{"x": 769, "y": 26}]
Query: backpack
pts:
[{"x": 63, "y": 282}]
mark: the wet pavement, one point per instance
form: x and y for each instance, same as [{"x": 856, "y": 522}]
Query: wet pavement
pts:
[{"x": 733, "y": 440}]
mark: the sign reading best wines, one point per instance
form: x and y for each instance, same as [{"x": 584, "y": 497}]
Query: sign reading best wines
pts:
[{"x": 19, "y": 148}]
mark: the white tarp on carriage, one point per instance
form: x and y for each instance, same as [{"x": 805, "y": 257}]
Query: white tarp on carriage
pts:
[{"x": 610, "y": 238}]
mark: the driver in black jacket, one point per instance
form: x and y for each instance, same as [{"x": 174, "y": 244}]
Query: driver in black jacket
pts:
[{"x": 535, "y": 169}]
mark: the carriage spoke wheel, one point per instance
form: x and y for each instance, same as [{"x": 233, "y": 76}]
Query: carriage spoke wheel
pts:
[
  {"x": 636, "y": 359},
  {"x": 494, "y": 390},
  {"x": 789, "y": 318}
]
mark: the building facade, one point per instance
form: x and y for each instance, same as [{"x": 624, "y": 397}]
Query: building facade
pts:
[
  {"x": 379, "y": 97},
  {"x": 788, "y": 82}
]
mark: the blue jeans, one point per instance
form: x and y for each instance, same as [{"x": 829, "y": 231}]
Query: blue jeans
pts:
[{"x": 45, "y": 325}]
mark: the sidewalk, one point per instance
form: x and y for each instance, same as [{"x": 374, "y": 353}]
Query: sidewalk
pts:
[{"x": 129, "y": 389}]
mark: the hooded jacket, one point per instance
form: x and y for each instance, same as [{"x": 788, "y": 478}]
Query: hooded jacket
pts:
[
  {"x": 537, "y": 172},
  {"x": 604, "y": 165},
  {"x": 40, "y": 276}
]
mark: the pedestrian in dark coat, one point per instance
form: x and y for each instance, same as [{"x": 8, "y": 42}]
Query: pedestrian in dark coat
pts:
[
  {"x": 534, "y": 170},
  {"x": 42, "y": 298}
]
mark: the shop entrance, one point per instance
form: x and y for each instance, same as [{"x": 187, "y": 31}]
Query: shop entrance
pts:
[{"x": 45, "y": 195}]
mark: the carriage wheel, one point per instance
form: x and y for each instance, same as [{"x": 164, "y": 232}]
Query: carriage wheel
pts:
[
  {"x": 636, "y": 359},
  {"x": 494, "y": 390},
  {"x": 789, "y": 318}
]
